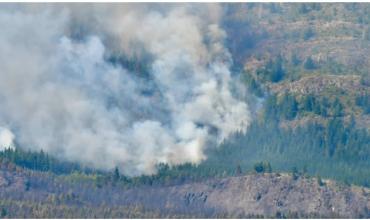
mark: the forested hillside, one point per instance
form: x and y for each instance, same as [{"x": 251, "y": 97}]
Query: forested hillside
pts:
[
  {"x": 305, "y": 67},
  {"x": 307, "y": 64}
]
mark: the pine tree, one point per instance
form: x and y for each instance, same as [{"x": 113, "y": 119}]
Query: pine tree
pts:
[
  {"x": 289, "y": 106},
  {"x": 277, "y": 72},
  {"x": 116, "y": 175},
  {"x": 337, "y": 108},
  {"x": 295, "y": 60},
  {"x": 319, "y": 181},
  {"x": 259, "y": 168},
  {"x": 295, "y": 173},
  {"x": 309, "y": 64},
  {"x": 238, "y": 170},
  {"x": 3, "y": 213}
]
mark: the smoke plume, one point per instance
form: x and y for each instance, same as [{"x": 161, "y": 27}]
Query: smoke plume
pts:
[
  {"x": 6, "y": 139},
  {"x": 66, "y": 87}
]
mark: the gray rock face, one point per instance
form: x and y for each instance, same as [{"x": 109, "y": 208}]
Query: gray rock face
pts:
[{"x": 271, "y": 194}]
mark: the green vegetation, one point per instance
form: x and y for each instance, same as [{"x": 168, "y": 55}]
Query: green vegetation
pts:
[
  {"x": 333, "y": 148},
  {"x": 308, "y": 33},
  {"x": 309, "y": 64},
  {"x": 363, "y": 101},
  {"x": 273, "y": 71},
  {"x": 319, "y": 181},
  {"x": 289, "y": 106},
  {"x": 253, "y": 86},
  {"x": 295, "y": 173},
  {"x": 26, "y": 209},
  {"x": 263, "y": 167},
  {"x": 40, "y": 161}
]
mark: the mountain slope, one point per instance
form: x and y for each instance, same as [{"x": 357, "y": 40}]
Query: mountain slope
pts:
[{"x": 37, "y": 194}]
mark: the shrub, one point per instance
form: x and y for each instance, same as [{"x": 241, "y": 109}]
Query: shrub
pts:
[{"x": 262, "y": 167}]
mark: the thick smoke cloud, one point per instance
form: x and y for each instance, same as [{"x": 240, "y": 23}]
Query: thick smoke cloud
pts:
[{"x": 61, "y": 90}]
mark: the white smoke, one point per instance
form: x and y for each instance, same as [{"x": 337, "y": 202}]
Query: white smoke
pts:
[
  {"x": 6, "y": 139},
  {"x": 60, "y": 92}
]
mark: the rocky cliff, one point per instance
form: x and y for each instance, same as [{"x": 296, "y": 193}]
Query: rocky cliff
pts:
[{"x": 268, "y": 195}]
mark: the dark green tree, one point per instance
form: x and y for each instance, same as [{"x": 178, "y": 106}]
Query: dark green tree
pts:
[
  {"x": 273, "y": 71},
  {"x": 309, "y": 103},
  {"x": 262, "y": 167},
  {"x": 238, "y": 170},
  {"x": 295, "y": 59},
  {"x": 308, "y": 33},
  {"x": 309, "y": 64},
  {"x": 303, "y": 8},
  {"x": 277, "y": 72},
  {"x": 116, "y": 174},
  {"x": 289, "y": 106},
  {"x": 259, "y": 168},
  {"x": 337, "y": 108},
  {"x": 295, "y": 173},
  {"x": 319, "y": 181},
  {"x": 27, "y": 185},
  {"x": 3, "y": 212}
]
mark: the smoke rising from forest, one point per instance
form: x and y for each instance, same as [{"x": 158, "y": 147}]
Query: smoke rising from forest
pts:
[{"x": 66, "y": 87}]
